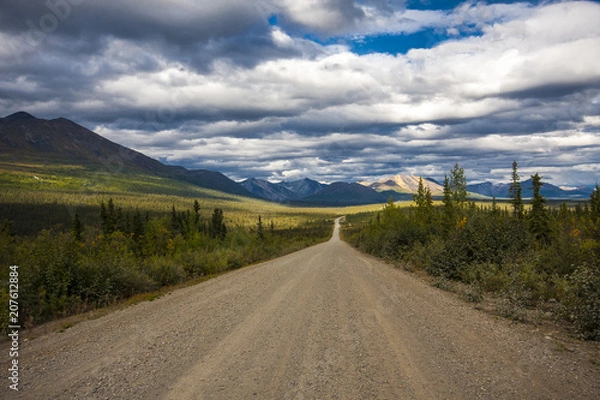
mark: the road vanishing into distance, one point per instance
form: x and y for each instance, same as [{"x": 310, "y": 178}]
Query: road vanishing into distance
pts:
[{"x": 327, "y": 322}]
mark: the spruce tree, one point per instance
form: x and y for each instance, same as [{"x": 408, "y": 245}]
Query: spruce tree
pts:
[
  {"x": 448, "y": 209},
  {"x": 218, "y": 230},
  {"x": 138, "y": 226},
  {"x": 595, "y": 204},
  {"x": 108, "y": 218},
  {"x": 196, "y": 213},
  {"x": 76, "y": 228},
  {"x": 424, "y": 203},
  {"x": 539, "y": 221},
  {"x": 515, "y": 193},
  {"x": 260, "y": 229},
  {"x": 112, "y": 216},
  {"x": 458, "y": 185},
  {"x": 595, "y": 213}
]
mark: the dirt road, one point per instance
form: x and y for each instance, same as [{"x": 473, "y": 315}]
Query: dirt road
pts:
[{"x": 324, "y": 323}]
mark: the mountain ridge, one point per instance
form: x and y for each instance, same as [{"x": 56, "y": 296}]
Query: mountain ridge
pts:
[{"x": 25, "y": 138}]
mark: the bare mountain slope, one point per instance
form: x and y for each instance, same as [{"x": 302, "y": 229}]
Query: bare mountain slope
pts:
[{"x": 403, "y": 184}]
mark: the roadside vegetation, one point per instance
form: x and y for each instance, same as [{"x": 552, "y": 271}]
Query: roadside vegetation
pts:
[
  {"x": 82, "y": 243},
  {"x": 69, "y": 270},
  {"x": 530, "y": 255}
]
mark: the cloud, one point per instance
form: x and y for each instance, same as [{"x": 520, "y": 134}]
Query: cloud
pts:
[
  {"x": 323, "y": 17},
  {"x": 226, "y": 86}
]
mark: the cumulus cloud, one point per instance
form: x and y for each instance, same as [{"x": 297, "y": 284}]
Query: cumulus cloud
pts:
[{"x": 272, "y": 88}]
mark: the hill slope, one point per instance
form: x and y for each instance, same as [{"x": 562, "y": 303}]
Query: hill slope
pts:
[{"x": 27, "y": 139}]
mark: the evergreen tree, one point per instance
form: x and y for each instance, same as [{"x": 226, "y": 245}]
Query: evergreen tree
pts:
[
  {"x": 223, "y": 231},
  {"x": 515, "y": 193},
  {"x": 218, "y": 230},
  {"x": 137, "y": 226},
  {"x": 175, "y": 221},
  {"x": 103, "y": 217},
  {"x": 424, "y": 203},
  {"x": 260, "y": 229},
  {"x": 76, "y": 228},
  {"x": 448, "y": 210},
  {"x": 595, "y": 213},
  {"x": 120, "y": 221},
  {"x": 138, "y": 229},
  {"x": 595, "y": 204},
  {"x": 196, "y": 213},
  {"x": 112, "y": 216},
  {"x": 108, "y": 218},
  {"x": 539, "y": 221},
  {"x": 458, "y": 186}
]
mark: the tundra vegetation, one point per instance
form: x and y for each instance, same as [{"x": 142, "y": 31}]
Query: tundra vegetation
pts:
[{"x": 531, "y": 257}]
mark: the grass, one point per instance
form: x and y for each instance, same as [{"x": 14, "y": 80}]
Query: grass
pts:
[{"x": 63, "y": 190}]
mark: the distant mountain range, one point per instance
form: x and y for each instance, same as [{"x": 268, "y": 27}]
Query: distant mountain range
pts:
[
  {"x": 25, "y": 138},
  {"x": 399, "y": 187},
  {"x": 282, "y": 192},
  {"x": 500, "y": 190},
  {"x": 309, "y": 192}
]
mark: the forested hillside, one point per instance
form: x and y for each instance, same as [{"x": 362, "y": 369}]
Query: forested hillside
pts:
[{"x": 530, "y": 255}]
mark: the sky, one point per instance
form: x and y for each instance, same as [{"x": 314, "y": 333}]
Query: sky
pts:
[{"x": 333, "y": 90}]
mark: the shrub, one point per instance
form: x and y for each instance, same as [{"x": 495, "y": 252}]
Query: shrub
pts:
[
  {"x": 164, "y": 271},
  {"x": 583, "y": 301},
  {"x": 473, "y": 294}
]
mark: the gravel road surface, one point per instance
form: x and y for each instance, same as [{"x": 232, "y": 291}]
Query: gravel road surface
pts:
[{"x": 326, "y": 322}]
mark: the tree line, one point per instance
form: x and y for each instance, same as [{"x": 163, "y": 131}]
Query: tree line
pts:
[
  {"x": 67, "y": 271},
  {"x": 528, "y": 254}
]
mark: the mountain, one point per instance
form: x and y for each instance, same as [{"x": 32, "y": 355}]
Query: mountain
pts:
[
  {"x": 489, "y": 189},
  {"x": 27, "y": 139},
  {"x": 404, "y": 184},
  {"x": 307, "y": 192},
  {"x": 282, "y": 192},
  {"x": 212, "y": 180},
  {"x": 345, "y": 194},
  {"x": 269, "y": 191},
  {"x": 550, "y": 191},
  {"x": 303, "y": 187}
]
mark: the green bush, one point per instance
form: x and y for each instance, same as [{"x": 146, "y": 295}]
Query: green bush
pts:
[
  {"x": 583, "y": 301},
  {"x": 164, "y": 271}
]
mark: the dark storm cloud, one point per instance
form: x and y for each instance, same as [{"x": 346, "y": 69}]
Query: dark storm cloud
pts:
[{"x": 178, "y": 22}]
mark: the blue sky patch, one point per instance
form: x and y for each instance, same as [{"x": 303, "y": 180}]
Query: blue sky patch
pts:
[{"x": 397, "y": 44}]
